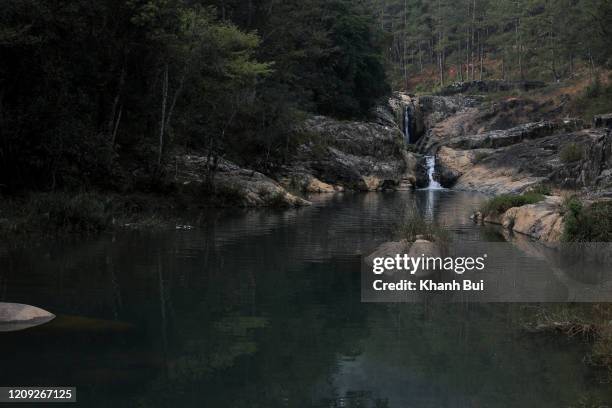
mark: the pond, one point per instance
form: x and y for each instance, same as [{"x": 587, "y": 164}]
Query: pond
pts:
[{"x": 262, "y": 309}]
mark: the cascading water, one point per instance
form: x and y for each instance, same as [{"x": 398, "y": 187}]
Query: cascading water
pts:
[
  {"x": 407, "y": 125},
  {"x": 431, "y": 168}
]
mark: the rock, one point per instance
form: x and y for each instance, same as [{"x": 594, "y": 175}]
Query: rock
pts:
[
  {"x": 234, "y": 184},
  {"x": 14, "y": 316},
  {"x": 603, "y": 120},
  {"x": 362, "y": 156},
  {"x": 542, "y": 221},
  {"x": 307, "y": 183},
  {"x": 515, "y": 169},
  {"x": 452, "y": 164},
  {"x": 388, "y": 250},
  {"x": 502, "y": 138}
]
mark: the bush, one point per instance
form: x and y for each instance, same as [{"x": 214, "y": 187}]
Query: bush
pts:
[
  {"x": 84, "y": 212},
  {"x": 415, "y": 225},
  {"x": 587, "y": 224},
  {"x": 571, "y": 153},
  {"x": 542, "y": 189},
  {"x": 502, "y": 203}
]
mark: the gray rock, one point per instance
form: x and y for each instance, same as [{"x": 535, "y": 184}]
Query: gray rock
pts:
[
  {"x": 603, "y": 120},
  {"x": 362, "y": 156},
  {"x": 502, "y": 138},
  {"x": 246, "y": 187},
  {"x": 14, "y": 317}
]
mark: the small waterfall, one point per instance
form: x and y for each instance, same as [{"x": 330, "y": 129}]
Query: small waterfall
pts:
[
  {"x": 431, "y": 168},
  {"x": 407, "y": 125}
]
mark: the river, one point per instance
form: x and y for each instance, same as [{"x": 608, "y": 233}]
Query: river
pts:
[{"x": 262, "y": 309}]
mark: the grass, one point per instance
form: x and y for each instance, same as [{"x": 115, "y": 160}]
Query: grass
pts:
[
  {"x": 587, "y": 223},
  {"x": 502, "y": 203},
  {"x": 416, "y": 227}
]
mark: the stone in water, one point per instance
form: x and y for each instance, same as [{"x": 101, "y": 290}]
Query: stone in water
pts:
[{"x": 14, "y": 317}]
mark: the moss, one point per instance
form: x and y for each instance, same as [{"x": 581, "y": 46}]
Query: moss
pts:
[{"x": 502, "y": 203}]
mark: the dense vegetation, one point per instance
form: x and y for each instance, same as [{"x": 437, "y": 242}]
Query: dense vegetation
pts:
[
  {"x": 587, "y": 223},
  {"x": 485, "y": 39},
  {"x": 98, "y": 93}
]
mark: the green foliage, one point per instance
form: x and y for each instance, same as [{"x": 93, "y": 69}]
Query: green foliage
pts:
[
  {"x": 542, "y": 189},
  {"x": 88, "y": 102},
  {"x": 502, "y": 203},
  {"x": 447, "y": 41},
  {"x": 587, "y": 223},
  {"x": 571, "y": 153},
  {"x": 596, "y": 100}
]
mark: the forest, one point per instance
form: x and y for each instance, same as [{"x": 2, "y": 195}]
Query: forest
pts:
[
  {"x": 95, "y": 94},
  {"x": 469, "y": 40}
]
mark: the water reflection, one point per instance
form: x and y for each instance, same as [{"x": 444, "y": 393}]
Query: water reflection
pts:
[{"x": 262, "y": 309}]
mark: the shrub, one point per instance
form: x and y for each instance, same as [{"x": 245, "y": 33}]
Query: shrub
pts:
[
  {"x": 542, "y": 189},
  {"x": 587, "y": 224},
  {"x": 225, "y": 195},
  {"x": 84, "y": 212},
  {"x": 502, "y": 203},
  {"x": 571, "y": 153},
  {"x": 415, "y": 225}
]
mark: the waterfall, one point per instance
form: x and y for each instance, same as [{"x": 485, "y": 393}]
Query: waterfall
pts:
[
  {"x": 407, "y": 124},
  {"x": 431, "y": 168}
]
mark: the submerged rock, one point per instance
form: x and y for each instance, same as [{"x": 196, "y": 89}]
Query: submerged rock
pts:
[{"x": 14, "y": 317}]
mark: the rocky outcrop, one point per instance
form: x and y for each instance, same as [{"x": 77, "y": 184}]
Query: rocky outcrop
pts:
[
  {"x": 233, "y": 183},
  {"x": 15, "y": 316},
  {"x": 542, "y": 221},
  {"x": 515, "y": 168},
  {"x": 502, "y": 138},
  {"x": 361, "y": 156}
]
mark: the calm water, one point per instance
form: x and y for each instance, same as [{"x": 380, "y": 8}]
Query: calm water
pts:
[{"x": 262, "y": 309}]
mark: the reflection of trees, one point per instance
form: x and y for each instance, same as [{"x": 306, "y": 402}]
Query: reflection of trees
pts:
[
  {"x": 221, "y": 353},
  {"x": 467, "y": 355}
]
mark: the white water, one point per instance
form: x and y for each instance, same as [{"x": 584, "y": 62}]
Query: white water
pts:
[
  {"x": 407, "y": 125},
  {"x": 431, "y": 168}
]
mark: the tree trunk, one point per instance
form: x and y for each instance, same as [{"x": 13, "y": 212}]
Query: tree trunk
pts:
[{"x": 162, "y": 125}]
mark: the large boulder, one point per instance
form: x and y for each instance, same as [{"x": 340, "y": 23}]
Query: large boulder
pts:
[
  {"x": 542, "y": 221},
  {"x": 14, "y": 316},
  {"x": 362, "y": 156}
]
